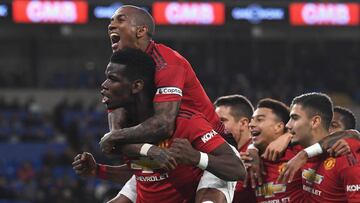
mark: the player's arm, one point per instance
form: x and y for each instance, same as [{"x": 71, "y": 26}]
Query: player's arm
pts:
[
  {"x": 254, "y": 165},
  {"x": 85, "y": 166},
  {"x": 116, "y": 118},
  {"x": 154, "y": 129},
  {"x": 161, "y": 156},
  {"x": 222, "y": 161},
  {"x": 334, "y": 144},
  {"x": 277, "y": 147},
  {"x": 330, "y": 145}
]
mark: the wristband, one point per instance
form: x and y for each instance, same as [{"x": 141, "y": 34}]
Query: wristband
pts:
[
  {"x": 252, "y": 146},
  {"x": 204, "y": 160},
  {"x": 313, "y": 150},
  {"x": 101, "y": 171},
  {"x": 144, "y": 149}
]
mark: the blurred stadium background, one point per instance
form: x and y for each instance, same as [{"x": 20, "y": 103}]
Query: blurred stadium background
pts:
[{"x": 52, "y": 62}]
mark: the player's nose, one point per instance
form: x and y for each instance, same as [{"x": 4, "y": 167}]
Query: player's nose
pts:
[
  {"x": 104, "y": 86},
  {"x": 251, "y": 124},
  {"x": 111, "y": 27}
]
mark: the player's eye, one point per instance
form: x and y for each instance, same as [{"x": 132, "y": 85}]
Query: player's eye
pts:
[{"x": 112, "y": 79}]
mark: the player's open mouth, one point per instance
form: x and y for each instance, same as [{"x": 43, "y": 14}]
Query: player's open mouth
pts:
[
  {"x": 105, "y": 99},
  {"x": 115, "y": 38},
  {"x": 255, "y": 133}
]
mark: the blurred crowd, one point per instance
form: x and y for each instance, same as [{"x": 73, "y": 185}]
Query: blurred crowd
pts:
[
  {"x": 280, "y": 69},
  {"x": 38, "y": 149}
]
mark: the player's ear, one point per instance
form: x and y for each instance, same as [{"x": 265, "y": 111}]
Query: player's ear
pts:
[
  {"x": 244, "y": 122},
  {"x": 137, "y": 86},
  {"x": 141, "y": 31},
  {"x": 279, "y": 127},
  {"x": 316, "y": 121}
]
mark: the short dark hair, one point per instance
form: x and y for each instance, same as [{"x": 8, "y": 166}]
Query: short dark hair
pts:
[
  {"x": 240, "y": 105},
  {"x": 139, "y": 65},
  {"x": 317, "y": 104},
  {"x": 143, "y": 17},
  {"x": 347, "y": 117},
  {"x": 280, "y": 109}
]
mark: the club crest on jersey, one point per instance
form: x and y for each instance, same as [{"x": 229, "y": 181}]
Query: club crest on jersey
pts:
[
  {"x": 268, "y": 190},
  {"x": 329, "y": 163},
  {"x": 310, "y": 176}
]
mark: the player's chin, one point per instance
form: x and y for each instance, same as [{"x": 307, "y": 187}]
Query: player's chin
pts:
[
  {"x": 109, "y": 105},
  {"x": 295, "y": 138},
  {"x": 114, "y": 105},
  {"x": 257, "y": 141}
]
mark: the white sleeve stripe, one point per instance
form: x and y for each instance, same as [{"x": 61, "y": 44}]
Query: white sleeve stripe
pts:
[{"x": 169, "y": 90}]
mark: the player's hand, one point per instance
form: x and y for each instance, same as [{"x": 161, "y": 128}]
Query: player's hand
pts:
[
  {"x": 276, "y": 148},
  {"x": 184, "y": 153},
  {"x": 340, "y": 148},
  {"x": 84, "y": 165},
  {"x": 107, "y": 144},
  {"x": 246, "y": 158},
  {"x": 255, "y": 168},
  {"x": 289, "y": 170},
  {"x": 162, "y": 157}
]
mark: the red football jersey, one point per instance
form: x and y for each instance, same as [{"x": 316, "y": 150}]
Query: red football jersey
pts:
[
  {"x": 269, "y": 191},
  {"x": 175, "y": 80},
  {"x": 329, "y": 179},
  {"x": 179, "y": 185},
  {"x": 242, "y": 194}
]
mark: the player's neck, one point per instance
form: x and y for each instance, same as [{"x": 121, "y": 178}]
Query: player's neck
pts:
[
  {"x": 242, "y": 138},
  {"x": 318, "y": 134},
  {"x": 141, "y": 109},
  {"x": 143, "y": 44}
]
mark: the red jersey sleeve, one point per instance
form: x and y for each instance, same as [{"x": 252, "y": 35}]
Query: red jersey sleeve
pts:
[
  {"x": 201, "y": 134},
  {"x": 169, "y": 81}
]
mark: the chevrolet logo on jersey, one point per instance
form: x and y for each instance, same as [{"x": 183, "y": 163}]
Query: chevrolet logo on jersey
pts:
[
  {"x": 310, "y": 176},
  {"x": 145, "y": 164},
  {"x": 268, "y": 190}
]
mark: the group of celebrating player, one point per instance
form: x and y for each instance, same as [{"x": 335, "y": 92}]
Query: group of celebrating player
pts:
[{"x": 174, "y": 139}]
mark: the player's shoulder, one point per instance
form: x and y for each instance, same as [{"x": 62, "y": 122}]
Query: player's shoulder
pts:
[
  {"x": 354, "y": 144},
  {"x": 189, "y": 117},
  {"x": 343, "y": 162},
  {"x": 168, "y": 54}
]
